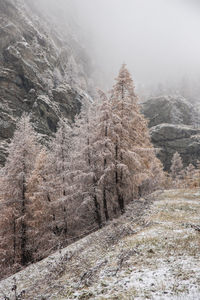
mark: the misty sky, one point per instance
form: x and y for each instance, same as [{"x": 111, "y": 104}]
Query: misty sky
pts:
[{"x": 158, "y": 39}]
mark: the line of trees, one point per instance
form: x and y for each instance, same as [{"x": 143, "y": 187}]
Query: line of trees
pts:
[{"x": 85, "y": 177}]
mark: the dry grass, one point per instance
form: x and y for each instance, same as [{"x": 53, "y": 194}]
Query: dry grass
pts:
[{"x": 157, "y": 256}]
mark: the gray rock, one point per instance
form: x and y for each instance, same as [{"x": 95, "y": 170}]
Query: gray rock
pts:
[
  {"x": 169, "y": 138},
  {"x": 174, "y": 126},
  {"x": 168, "y": 109}
]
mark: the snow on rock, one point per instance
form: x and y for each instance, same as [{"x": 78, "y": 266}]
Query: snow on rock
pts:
[
  {"x": 37, "y": 61},
  {"x": 174, "y": 127}
]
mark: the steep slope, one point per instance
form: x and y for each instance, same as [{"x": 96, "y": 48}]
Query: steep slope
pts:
[
  {"x": 43, "y": 71},
  {"x": 174, "y": 126},
  {"x": 150, "y": 256}
]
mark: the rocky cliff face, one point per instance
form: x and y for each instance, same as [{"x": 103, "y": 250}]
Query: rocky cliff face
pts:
[
  {"x": 41, "y": 71},
  {"x": 174, "y": 126}
]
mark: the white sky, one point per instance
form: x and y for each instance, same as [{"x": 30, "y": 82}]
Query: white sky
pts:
[{"x": 158, "y": 39}]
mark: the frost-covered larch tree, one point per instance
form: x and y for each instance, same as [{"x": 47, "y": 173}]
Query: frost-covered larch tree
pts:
[
  {"x": 134, "y": 153},
  {"x": 101, "y": 151},
  {"x": 22, "y": 152},
  {"x": 190, "y": 174},
  {"x": 198, "y": 173},
  {"x": 176, "y": 168},
  {"x": 104, "y": 151},
  {"x": 40, "y": 221},
  {"x": 60, "y": 149},
  {"x": 58, "y": 166},
  {"x": 84, "y": 181}
]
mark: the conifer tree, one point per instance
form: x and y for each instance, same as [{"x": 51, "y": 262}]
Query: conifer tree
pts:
[
  {"x": 134, "y": 153},
  {"x": 59, "y": 162},
  {"x": 60, "y": 148},
  {"x": 85, "y": 182},
  {"x": 105, "y": 146},
  {"x": 102, "y": 155},
  {"x": 9, "y": 258},
  {"x": 198, "y": 174},
  {"x": 176, "y": 167},
  {"x": 40, "y": 211},
  {"x": 22, "y": 152},
  {"x": 190, "y": 173}
]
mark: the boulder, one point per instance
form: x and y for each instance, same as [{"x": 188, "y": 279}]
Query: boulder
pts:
[
  {"x": 169, "y": 138},
  {"x": 174, "y": 126}
]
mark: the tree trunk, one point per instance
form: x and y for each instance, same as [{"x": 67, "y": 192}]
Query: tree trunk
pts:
[
  {"x": 105, "y": 204},
  {"x": 65, "y": 221},
  {"x": 104, "y": 188},
  {"x": 97, "y": 206},
  {"x": 97, "y": 211},
  {"x": 14, "y": 240},
  {"x": 24, "y": 258},
  {"x": 120, "y": 197}
]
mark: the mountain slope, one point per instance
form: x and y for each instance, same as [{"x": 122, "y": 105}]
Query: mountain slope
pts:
[
  {"x": 43, "y": 70},
  {"x": 150, "y": 256}
]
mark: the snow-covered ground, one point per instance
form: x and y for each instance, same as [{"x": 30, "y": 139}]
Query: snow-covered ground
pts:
[{"x": 154, "y": 256}]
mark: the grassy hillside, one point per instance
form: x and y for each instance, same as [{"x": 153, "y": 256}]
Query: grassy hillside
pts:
[{"x": 150, "y": 256}]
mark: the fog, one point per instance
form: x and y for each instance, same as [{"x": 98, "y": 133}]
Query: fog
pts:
[{"x": 158, "y": 39}]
